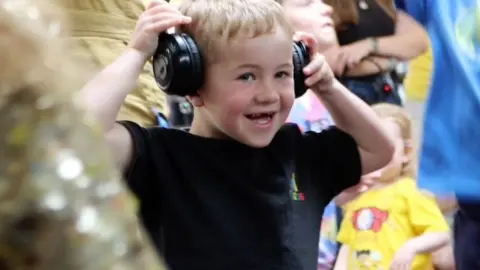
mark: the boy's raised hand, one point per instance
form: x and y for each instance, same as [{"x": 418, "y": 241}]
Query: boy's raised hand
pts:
[
  {"x": 158, "y": 17},
  {"x": 319, "y": 75}
]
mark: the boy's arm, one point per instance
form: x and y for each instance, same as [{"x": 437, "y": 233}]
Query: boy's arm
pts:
[
  {"x": 355, "y": 117},
  {"x": 104, "y": 95},
  {"x": 349, "y": 113}
]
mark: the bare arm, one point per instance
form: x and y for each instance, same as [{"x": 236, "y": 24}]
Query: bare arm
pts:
[
  {"x": 342, "y": 258},
  {"x": 429, "y": 242},
  {"x": 409, "y": 41},
  {"x": 447, "y": 204},
  {"x": 355, "y": 117},
  {"x": 104, "y": 95},
  {"x": 367, "y": 67}
]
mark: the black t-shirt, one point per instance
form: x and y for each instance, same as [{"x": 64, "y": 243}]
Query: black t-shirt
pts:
[{"x": 219, "y": 204}]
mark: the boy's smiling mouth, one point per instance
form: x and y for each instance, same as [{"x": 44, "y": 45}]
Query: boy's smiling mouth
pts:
[{"x": 261, "y": 119}]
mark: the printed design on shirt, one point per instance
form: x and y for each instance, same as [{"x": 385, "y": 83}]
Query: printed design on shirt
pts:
[
  {"x": 369, "y": 219},
  {"x": 467, "y": 30},
  {"x": 367, "y": 260},
  {"x": 294, "y": 192}
]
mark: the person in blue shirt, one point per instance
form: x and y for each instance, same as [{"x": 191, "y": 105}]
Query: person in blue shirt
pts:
[{"x": 450, "y": 158}]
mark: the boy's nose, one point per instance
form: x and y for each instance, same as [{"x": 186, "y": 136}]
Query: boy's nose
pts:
[{"x": 267, "y": 95}]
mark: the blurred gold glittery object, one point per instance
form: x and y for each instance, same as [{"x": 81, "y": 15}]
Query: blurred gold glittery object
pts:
[{"x": 62, "y": 203}]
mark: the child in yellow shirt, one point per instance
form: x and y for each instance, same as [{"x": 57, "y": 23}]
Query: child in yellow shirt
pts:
[{"x": 393, "y": 225}]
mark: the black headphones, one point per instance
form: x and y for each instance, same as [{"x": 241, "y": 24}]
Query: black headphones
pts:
[{"x": 178, "y": 65}]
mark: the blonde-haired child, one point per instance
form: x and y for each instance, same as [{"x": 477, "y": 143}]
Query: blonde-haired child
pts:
[
  {"x": 393, "y": 225},
  {"x": 240, "y": 189}
]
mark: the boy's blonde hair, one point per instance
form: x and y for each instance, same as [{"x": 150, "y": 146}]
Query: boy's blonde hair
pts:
[
  {"x": 400, "y": 116},
  {"x": 216, "y": 22}
]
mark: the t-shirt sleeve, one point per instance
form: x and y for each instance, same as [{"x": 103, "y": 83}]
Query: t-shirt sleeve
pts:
[
  {"x": 140, "y": 170},
  {"x": 346, "y": 232},
  {"x": 424, "y": 213},
  {"x": 333, "y": 158},
  {"x": 418, "y": 9}
]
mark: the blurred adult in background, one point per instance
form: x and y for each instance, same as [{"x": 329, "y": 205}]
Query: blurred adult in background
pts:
[
  {"x": 101, "y": 30},
  {"x": 450, "y": 158},
  {"x": 374, "y": 28}
]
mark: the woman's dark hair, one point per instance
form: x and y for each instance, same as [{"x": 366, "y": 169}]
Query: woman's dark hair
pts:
[{"x": 346, "y": 11}]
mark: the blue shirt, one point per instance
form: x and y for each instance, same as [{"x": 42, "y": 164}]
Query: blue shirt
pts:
[{"x": 450, "y": 158}]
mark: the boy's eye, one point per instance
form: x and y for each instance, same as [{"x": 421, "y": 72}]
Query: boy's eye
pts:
[
  {"x": 246, "y": 77},
  {"x": 282, "y": 74}
]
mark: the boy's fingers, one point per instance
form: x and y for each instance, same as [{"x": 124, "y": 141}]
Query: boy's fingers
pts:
[
  {"x": 314, "y": 65},
  {"x": 148, "y": 22},
  {"x": 313, "y": 79},
  {"x": 298, "y": 35},
  {"x": 163, "y": 25},
  {"x": 309, "y": 40}
]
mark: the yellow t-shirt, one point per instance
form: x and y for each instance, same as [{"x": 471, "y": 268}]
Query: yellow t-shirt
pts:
[{"x": 380, "y": 221}]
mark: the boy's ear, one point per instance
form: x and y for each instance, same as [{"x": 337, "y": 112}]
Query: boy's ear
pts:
[{"x": 196, "y": 100}]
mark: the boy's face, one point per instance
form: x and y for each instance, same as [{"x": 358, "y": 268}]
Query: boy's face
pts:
[
  {"x": 312, "y": 16},
  {"x": 249, "y": 90}
]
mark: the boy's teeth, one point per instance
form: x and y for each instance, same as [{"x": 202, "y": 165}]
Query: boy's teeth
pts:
[{"x": 261, "y": 121}]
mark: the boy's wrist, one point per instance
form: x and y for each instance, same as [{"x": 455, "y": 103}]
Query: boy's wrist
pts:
[
  {"x": 137, "y": 55},
  {"x": 327, "y": 90}
]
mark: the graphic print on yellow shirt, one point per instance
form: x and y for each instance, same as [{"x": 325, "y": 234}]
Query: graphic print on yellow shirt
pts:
[{"x": 381, "y": 221}]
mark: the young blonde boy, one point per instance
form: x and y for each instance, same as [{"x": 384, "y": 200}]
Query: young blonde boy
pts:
[{"x": 240, "y": 190}]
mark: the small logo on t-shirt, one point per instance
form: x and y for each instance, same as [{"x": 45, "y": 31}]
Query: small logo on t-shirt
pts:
[
  {"x": 369, "y": 219},
  {"x": 295, "y": 193}
]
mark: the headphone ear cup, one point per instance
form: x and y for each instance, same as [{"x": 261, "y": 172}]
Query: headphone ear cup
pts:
[
  {"x": 178, "y": 65},
  {"x": 301, "y": 58}
]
